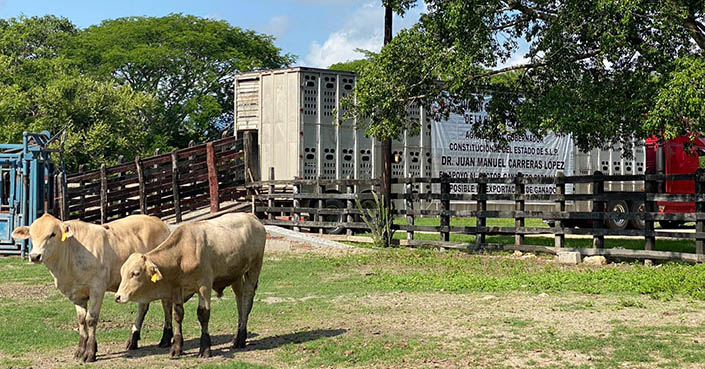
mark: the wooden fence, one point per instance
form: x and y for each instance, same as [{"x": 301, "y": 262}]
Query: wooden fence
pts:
[
  {"x": 280, "y": 203},
  {"x": 163, "y": 185}
]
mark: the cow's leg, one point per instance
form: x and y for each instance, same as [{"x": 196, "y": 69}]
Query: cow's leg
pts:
[
  {"x": 178, "y": 342},
  {"x": 137, "y": 326},
  {"x": 96, "y": 302},
  {"x": 237, "y": 288},
  {"x": 168, "y": 332},
  {"x": 249, "y": 286},
  {"x": 204, "y": 314},
  {"x": 82, "y": 329}
]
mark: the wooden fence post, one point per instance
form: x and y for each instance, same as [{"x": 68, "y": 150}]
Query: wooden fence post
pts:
[
  {"x": 445, "y": 207},
  {"x": 140, "y": 181},
  {"x": 121, "y": 160},
  {"x": 82, "y": 184},
  {"x": 250, "y": 152},
  {"x": 212, "y": 178},
  {"x": 650, "y": 208},
  {"x": 296, "y": 204},
  {"x": 409, "y": 207},
  {"x": 58, "y": 197},
  {"x": 699, "y": 212},
  {"x": 560, "y": 194},
  {"x": 481, "y": 209},
  {"x": 103, "y": 195},
  {"x": 519, "y": 207},
  {"x": 350, "y": 205},
  {"x": 598, "y": 206},
  {"x": 175, "y": 186},
  {"x": 270, "y": 193},
  {"x": 321, "y": 202}
]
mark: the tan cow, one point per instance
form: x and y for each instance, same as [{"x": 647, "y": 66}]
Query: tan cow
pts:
[
  {"x": 197, "y": 258},
  {"x": 85, "y": 261}
]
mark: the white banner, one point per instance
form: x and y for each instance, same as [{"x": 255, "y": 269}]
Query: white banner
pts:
[{"x": 457, "y": 152}]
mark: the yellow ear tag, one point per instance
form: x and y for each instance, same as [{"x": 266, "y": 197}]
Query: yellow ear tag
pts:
[
  {"x": 154, "y": 277},
  {"x": 63, "y": 237}
]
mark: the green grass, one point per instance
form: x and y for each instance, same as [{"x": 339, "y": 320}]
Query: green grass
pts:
[
  {"x": 687, "y": 246},
  {"x": 319, "y": 320}
]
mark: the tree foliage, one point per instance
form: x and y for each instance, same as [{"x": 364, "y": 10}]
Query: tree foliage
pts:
[
  {"x": 349, "y": 66},
  {"x": 125, "y": 87},
  {"x": 41, "y": 89},
  {"x": 185, "y": 61},
  {"x": 601, "y": 70}
]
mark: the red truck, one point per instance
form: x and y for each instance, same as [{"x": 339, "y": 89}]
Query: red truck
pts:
[{"x": 680, "y": 155}]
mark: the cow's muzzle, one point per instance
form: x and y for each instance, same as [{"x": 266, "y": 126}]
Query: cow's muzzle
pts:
[
  {"x": 120, "y": 299},
  {"x": 35, "y": 258}
]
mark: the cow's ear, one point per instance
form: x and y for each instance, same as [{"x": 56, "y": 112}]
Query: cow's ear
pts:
[
  {"x": 21, "y": 233},
  {"x": 66, "y": 231},
  {"x": 155, "y": 275}
]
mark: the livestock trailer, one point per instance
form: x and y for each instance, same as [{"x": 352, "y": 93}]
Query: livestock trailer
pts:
[
  {"x": 292, "y": 112},
  {"x": 26, "y": 187}
]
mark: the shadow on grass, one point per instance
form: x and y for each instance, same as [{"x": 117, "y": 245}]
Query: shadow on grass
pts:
[{"x": 227, "y": 350}]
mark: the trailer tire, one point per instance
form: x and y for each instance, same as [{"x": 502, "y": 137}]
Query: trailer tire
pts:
[
  {"x": 638, "y": 207},
  {"x": 334, "y": 204},
  {"x": 617, "y": 207}
]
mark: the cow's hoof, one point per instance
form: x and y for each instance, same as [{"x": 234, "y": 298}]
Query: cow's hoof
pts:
[
  {"x": 88, "y": 357},
  {"x": 205, "y": 349},
  {"x": 239, "y": 341},
  {"x": 176, "y": 351},
  {"x": 205, "y": 353},
  {"x": 132, "y": 343},
  {"x": 79, "y": 353},
  {"x": 167, "y": 335}
]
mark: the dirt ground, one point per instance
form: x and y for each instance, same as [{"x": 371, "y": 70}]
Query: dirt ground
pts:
[
  {"x": 479, "y": 330},
  {"x": 437, "y": 317}
]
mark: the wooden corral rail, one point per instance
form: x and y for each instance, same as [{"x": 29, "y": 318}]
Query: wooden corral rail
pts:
[
  {"x": 163, "y": 185},
  {"x": 279, "y": 202}
]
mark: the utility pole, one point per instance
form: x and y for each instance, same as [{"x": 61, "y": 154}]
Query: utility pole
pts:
[{"x": 387, "y": 142}]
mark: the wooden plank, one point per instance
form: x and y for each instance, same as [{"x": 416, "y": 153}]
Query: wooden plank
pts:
[
  {"x": 103, "y": 195},
  {"x": 650, "y": 206},
  {"x": 212, "y": 178},
  {"x": 315, "y": 182},
  {"x": 481, "y": 207},
  {"x": 313, "y": 224},
  {"x": 519, "y": 205},
  {"x": 175, "y": 186},
  {"x": 408, "y": 206},
  {"x": 598, "y": 206},
  {"x": 140, "y": 181},
  {"x": 700, "y": 208},
  {"x": 559, "y": 237},
  {"x": 445, "y": 206}
]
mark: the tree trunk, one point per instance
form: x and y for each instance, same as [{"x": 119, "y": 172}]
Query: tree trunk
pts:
[{"x": 387, "y": 143}]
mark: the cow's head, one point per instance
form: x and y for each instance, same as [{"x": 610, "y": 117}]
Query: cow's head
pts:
[
  {"x": 137, "y": 277},
  {"x": 48, "y": 234}
]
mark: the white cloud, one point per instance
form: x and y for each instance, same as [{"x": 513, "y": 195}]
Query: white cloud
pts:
[
  {"x": 363, "y": 30},
  {"x": 518, "y": 57},
  {"x": 277, "y": 25}
]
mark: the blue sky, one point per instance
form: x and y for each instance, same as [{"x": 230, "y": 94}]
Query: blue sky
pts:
[{"x": 319, "y": 32}]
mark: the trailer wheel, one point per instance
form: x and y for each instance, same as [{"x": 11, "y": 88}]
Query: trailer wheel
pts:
[
  {"x": 670, "y": 224},
  {"x": 614, "y": 222},
  {"x": 638, "y": 208},
  {"x": 340, "y": 218}
]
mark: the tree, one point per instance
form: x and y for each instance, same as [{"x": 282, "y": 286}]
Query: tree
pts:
[
  {"x": 600, "y": 70},
  {"x": 349, "y": 66},
  {"x": 40, "y": 89},
  {"x": 185, "y": 61}
]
